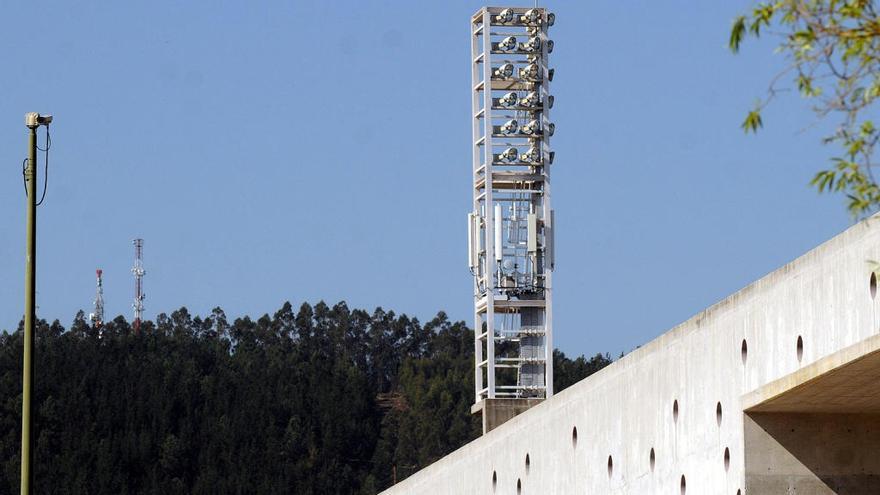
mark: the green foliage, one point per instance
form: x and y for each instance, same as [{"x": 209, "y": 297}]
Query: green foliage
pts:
[
  {"x": 833, "y": 55},
  {"x": 323, "y": 400}
]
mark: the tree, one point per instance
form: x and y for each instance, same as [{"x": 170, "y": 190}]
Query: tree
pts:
[{"x": 832, "y": 53}]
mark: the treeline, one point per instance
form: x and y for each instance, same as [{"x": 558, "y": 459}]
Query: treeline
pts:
[{"x": 323, "y": 400}]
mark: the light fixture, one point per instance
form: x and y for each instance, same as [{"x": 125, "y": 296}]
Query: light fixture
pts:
[
  {"x": 510, "y": 127},
  {"x": 509, "y": 100},
  {"x": 529, "y": 72},
  {"x": 531, "y": 156},
  {"x": 530, "y": 17},
  {"x": 532, "y": 45},
  {"x": 531, "y": 99},
  {"x": 507, "y": 44},
  {"x": 532, "y": 127},
  {"x": 509, "y": 155},
  {"x": 505, "y": 16},
  {"x": 505, "y": 71}
]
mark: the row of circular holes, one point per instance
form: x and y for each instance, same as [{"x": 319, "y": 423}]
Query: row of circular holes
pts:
[{"x": 718, "y": 414}]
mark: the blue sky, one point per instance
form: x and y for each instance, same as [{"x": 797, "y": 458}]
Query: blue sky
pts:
[{"x": 272, "y": 151}]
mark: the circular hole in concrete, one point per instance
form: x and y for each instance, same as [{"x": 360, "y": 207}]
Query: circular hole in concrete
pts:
[
  {"x": 528, "y": 463},
  {"x": 653, "y": 459},
  {"x": 800, "y": 348},
  {"x": 518, "y": 487},
  {"x": 873, "y": 285},
  {"x": 726, "y": 458},
  {"x": 574, "y": 436},
  {"x": 610, "y": 466},
  {"x": 744, "y": 351},
  {"x": 718, "y": 413},
  {"x": 683, "y": 485},
  {"x": 675, "y": 411},
  {"x": 494, "y": 480}
]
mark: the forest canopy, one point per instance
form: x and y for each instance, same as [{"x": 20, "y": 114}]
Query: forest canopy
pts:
[{"x": 320, "y": 400}]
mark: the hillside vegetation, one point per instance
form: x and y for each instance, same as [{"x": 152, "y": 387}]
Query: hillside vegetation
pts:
[{"x": 323, "y": 400}]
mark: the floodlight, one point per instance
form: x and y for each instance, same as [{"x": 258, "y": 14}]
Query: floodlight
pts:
[
  {"x": 507, "y": 44},
  {"x": 505, "y": 71},
  {"x": 510, "y": 127},
  {"x": 508, "y": 100},
  {"x": 532, "y": 128},
  {"x": 532, "y": 45},
  {"x": 505, "y": 16},
  {"x": 509, "y": 154},
  {"x": 531, "y": 99},
  {"x": 531, "y": 16},
  {"x": 529, "y": 72},
  {"x": 531, "y": 156}
]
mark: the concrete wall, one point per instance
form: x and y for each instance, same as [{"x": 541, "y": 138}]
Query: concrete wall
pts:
[{"x": 678, "y": 398}]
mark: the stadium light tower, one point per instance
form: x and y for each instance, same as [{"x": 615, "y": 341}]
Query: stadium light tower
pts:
[{"x": 510, "y": 229}]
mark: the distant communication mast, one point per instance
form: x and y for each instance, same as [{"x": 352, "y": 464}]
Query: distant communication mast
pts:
[
  {"x": 98, "y": 316},
  {"x": 138, "y": 271},
  {"x": 511, "y": 226}
]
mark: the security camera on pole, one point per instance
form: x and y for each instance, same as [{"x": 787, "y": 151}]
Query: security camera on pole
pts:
[{"x": 32, "y": 120}]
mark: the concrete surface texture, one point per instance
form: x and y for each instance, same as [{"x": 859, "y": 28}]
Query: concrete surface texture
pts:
[{"x": 773, "y": 390}]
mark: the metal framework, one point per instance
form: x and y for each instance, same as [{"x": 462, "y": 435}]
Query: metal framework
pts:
[
  {"x": 510, "y": 230},
  {"x": 98, "y": 316},
  {"x": 139, "y": 272}
]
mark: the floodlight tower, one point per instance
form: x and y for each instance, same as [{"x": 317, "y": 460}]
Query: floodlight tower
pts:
[
  {"x": 139, "y": 272},
  {"x": 510, "y": 229},
  {"x": 98, "y": 316}
]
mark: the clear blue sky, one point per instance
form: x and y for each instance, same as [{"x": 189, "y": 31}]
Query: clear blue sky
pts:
[{"x": 272, "y": 151}]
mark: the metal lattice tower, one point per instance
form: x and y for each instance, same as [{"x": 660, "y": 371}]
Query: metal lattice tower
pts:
[
  {"x": 511, "y": 226},
  {"x": 98, "y": 316},
  {"x": 138, "y": 271}
]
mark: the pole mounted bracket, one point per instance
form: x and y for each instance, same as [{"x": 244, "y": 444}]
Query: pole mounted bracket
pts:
[{"x": 33, "y": 120}]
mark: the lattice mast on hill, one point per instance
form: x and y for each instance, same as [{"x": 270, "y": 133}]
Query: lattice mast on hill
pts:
[
  {"x": 138, "y": 271},
  {"x": 98, "y": 316},
  {"x": 511, "y": 226}
]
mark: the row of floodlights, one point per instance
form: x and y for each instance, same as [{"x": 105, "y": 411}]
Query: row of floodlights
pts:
[
  {"x": 533, "y": 155},
  {"x": 530, "y": 100},
  {"x": 531, "y": 45},
  {"x": 531, "y": 128},
  {"x": 531, "y": 71},
  {"x": 531, "y": 17}
]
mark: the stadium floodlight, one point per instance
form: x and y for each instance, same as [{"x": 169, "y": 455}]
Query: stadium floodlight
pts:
[
  {"x": 530, "y": 71},
  {"x": 532, "y": 16},
  {"x": 509, "y": 100},
  {"x": 505, "y": 71},
  {"x": 505, "y": 16},
  {"x": 532, "y": 127},
  {"x": 531, "y": 156},
  {"x": 531, "y": 100},
  {"x": 531, "y": 45},
  {"x": 507, "y": 44},
  {"x": 509, "y": 155},
  {"x": 510, "y": 127}
]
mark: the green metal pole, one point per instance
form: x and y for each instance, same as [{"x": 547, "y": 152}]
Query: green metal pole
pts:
[{"x": 30, "y": 177}]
